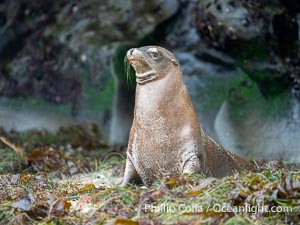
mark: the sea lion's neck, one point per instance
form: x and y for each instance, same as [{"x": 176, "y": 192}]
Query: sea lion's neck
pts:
[{"x": 158, "y": 95}]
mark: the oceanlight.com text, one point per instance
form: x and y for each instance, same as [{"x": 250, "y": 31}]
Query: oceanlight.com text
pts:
[{"x": 197, "y": 208}]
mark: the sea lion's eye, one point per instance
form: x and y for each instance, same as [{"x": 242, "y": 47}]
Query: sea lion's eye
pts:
[
  {"x": 154, "y": 55},
  {"x": 153, "y": 52}
]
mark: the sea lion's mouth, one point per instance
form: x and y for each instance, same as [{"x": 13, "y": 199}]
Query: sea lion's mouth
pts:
[
  {"x": 142, "y": 78},
  {"x": 143, "y": 71}
]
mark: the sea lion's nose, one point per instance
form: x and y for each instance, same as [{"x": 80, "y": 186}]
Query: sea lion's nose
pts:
[{"x": 131, "y": 52}]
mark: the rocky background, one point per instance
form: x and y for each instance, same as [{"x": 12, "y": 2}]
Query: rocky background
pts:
[{"x": 61, "y": 62}]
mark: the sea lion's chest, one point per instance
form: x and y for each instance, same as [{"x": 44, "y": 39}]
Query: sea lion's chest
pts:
[
  {"x": 156, "y": 142},
  {"x": 154, "y": 150}
]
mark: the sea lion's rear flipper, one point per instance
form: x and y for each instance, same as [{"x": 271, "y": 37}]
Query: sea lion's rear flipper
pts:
[
  {"x": 242, "y": 163},
  {"x": 221, "y": 162}
]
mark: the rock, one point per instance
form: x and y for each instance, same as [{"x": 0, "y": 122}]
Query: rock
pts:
[
  {"x": 62, "y": 53},
  {"x": 219, "y": 22},
  {"x": 58, "y": 60},
  {"x": 252, "y": 31},
  {"x": 123, "y": 100},
  {"x": 258, "y": 136},
  {"x": 96, "y": 30}
]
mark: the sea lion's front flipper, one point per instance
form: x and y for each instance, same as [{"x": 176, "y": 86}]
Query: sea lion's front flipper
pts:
[
  {"x": 191, "y": 164},
  {"x": 130, "y": 174}
]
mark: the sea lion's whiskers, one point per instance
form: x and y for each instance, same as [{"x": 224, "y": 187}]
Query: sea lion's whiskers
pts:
[
  {"x": 126, "y": 65},
  {"x": 127, "y": 70}
]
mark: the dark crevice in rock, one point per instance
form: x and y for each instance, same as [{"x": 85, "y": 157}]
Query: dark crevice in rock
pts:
[{"x": 161, "y": 30}]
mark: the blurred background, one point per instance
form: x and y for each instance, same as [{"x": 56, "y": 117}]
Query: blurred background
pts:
[{"x": 62, "y": 64}]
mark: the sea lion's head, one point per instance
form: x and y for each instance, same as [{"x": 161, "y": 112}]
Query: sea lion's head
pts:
[{"x": 150, "y": 62}]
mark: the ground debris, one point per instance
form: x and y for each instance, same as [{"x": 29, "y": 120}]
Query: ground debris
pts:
[{"x": 56, "y": 184}]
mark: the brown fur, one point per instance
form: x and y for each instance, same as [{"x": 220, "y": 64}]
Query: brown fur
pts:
[{"x": 166, "y": 137}]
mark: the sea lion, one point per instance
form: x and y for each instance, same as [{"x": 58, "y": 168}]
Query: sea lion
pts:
[{"x": 166, "y": 137}]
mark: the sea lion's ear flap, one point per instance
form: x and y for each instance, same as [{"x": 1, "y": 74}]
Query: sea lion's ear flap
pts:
[
  {"x": 174, "y": 61},
  {"x": 173, "y": 58}
]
